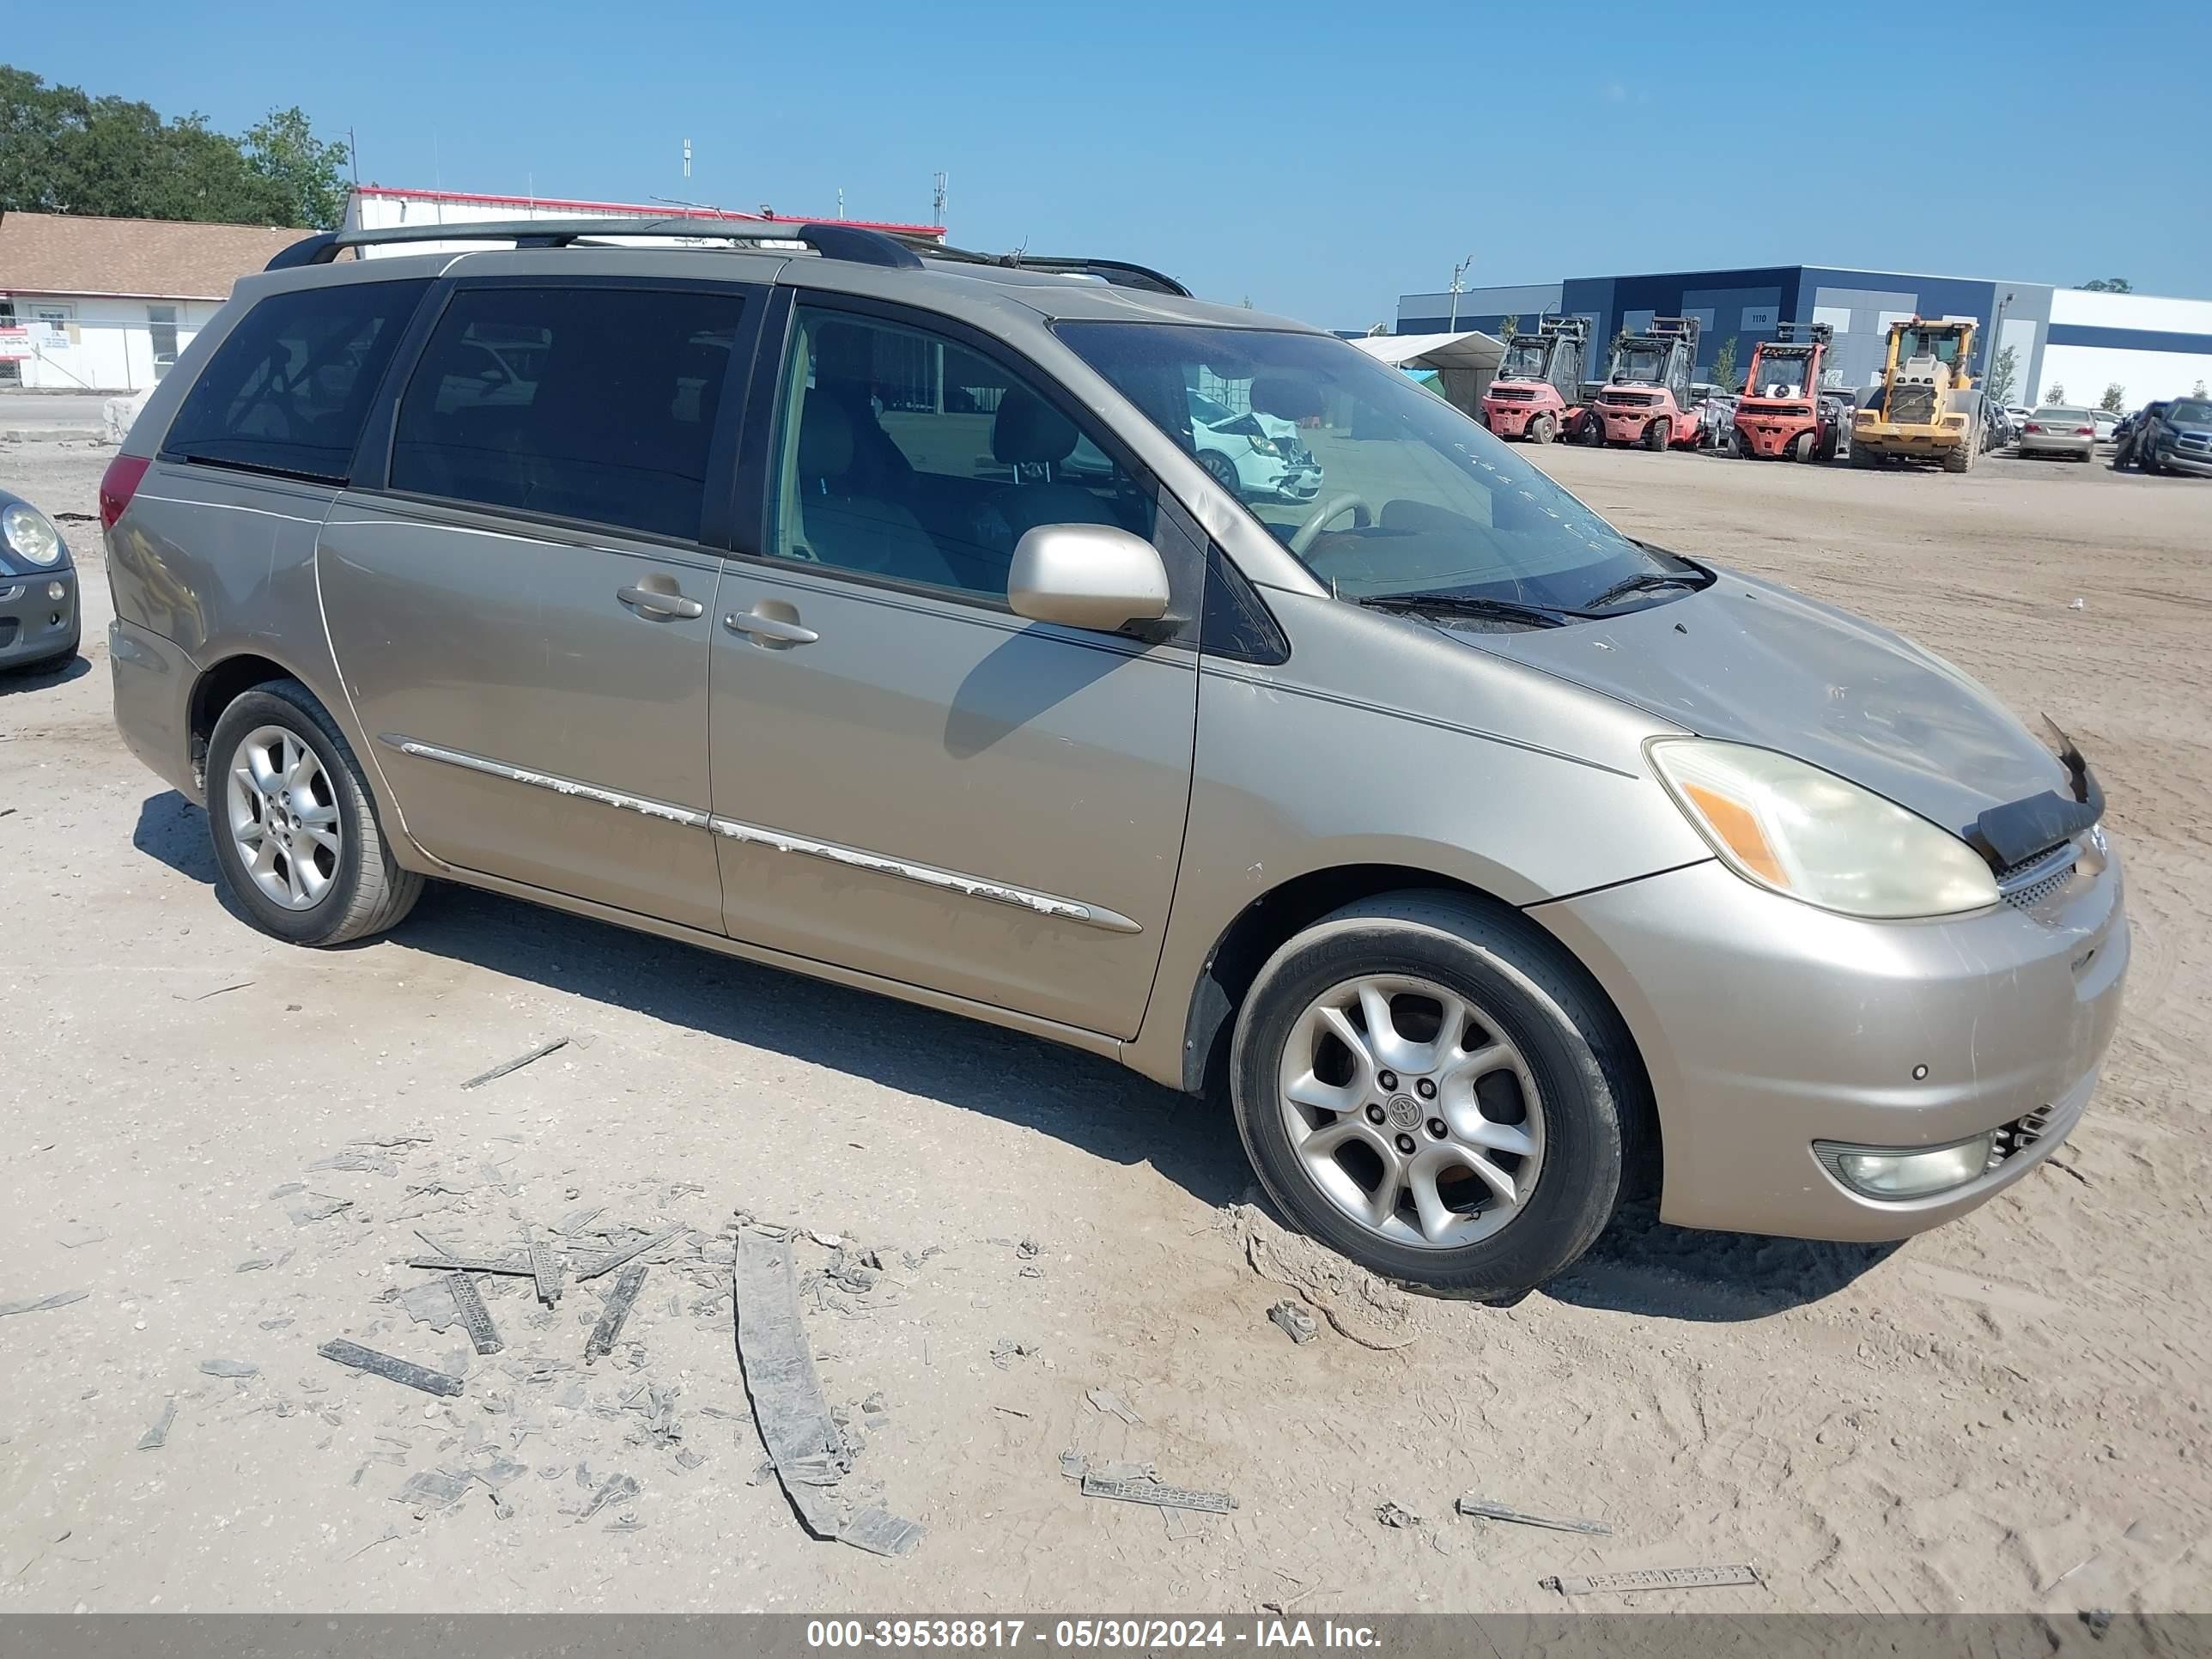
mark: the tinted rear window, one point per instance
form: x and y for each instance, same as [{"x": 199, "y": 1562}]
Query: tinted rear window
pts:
[
  {"x": 593, "y": 403},
  {"x": 288, "y": 390}
]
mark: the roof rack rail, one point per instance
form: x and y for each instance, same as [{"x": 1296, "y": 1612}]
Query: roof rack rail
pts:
[
  {"x": 1120, "y": 273},
  {"x": 831, "y": 241},
  {"x": 1804, "y": 334}
]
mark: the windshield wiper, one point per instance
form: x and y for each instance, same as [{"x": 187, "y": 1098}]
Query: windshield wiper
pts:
[
  {"x": 1467, "y": 604},
  {"x": 1643, "y": 581}
]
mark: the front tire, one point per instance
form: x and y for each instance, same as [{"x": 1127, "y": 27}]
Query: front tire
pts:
[
  {"x": 1221, "y": 470},
  {"x": 1431, "y": 1087},
  {"x": 1540, "y": 430},
  {"x": 1656, "y": 434},
  {"x": 297, "y": 845}
]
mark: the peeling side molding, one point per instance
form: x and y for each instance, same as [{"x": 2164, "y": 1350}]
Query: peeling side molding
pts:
[
  {"x": 753, "y": 835},
  {"x": 996, "y": 892},
  {"x": 560, "y": 786}
]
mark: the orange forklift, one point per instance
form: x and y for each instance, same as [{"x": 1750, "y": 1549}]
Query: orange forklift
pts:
[
  {"x": 1539, "y": 385},
  {"x": 1646, "y": 398},
  {"x": 1781, "y": 413}
]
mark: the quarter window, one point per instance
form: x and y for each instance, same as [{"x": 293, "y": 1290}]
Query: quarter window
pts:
[
  {"x": 288, "y": 391},
  {"x": 907, "y": 455},
  {"x": 596, "y": 403}
]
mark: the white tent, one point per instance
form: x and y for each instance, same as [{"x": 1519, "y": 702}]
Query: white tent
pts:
[{"x": 1466, "y": 363}]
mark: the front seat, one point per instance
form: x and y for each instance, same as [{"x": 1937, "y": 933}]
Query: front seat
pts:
[
  {"x": 1029, "y": 432},
  {"x": 836, "y": 521}
]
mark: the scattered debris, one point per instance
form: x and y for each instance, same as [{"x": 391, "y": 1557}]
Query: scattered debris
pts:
[
  {"x": 360, "y": 1160},
  {"x": 254, "y": 1264},
  {"x": 287, "y": 1189},
  {"x": 321, "y": 1209},
  {"x": 1105, "y": 1400},
  {"x": 1008, "y": 1411},
  {"x": 1648, "y": 1578},
  {"x": 390, "y": 1141},
  {"x": 217, "y": 992},
  {"x": 1482, "y": 1509},
  {"x": 1358, "y": 1306},
  {"x": 849, "y": 1272},
  {"x": 476, "y": 1318},
  {"x": 789, "y": 1408},
  {"x": 1074, "y": 1465},
  {"x": 32, "y": 1304},
  {"x": 1390, "y": 1514},
  {"x": 432, "y": 1303},
  {"x": 615, "y": 1259},
  {"x": 1297, "y": 1324},
  {"x": 392, "y": 1369},
  {"x": 689, "y": 1459},
  {"x": 1028, "y": 1249},
  {"x": 230, "y": 1368},
  {"x": 914, "y": 1262},
  {"x": 389, "y": 1535},
  {"x": 2077, "y": 605},
  {"x": 517, "y": 1063},
  {"x": 1146, "y": 1491},
  {"x": 617, "y": 1489},
  {"x": 438, "y": 1489},
  {"x": 1006, "y": 1351},
  {"x": 158, "y": 1436},
  {"x": 502, "y": 1471},
  {"x": 516, "y": 1267},
  {"x": 78, "y": 1235},
  {"x": 617, "y": 1307},
  {"x": 543, "y": 1267},
  {"x": 576, "y": 1220}
]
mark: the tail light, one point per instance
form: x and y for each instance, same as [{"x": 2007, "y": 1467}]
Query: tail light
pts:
[
  {"x": 2085, "y": 431},
  {"x": 2033, "y": 427},
  {"x": 117, "y": 485}
]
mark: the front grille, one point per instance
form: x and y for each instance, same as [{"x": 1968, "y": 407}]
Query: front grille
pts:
[
  {"x": 2028, "y": 883},
  {"x": 2015, "y": 1137},
  {"x": 1912, "y": 406},
  {"x": 1630, "y": 399},
  {"x": 2200, "y": 441},
  {"x": 1512, "y": 394}
]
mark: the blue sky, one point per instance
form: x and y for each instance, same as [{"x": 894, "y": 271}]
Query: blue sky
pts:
[{"x": 1316, "y": 159}]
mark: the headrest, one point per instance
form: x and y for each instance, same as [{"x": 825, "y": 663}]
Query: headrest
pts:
[
  {"x": 825, "y": 439},
  {"x": 1028, "y": 431}
]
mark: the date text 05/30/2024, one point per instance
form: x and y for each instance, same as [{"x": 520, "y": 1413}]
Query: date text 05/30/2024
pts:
[{"x": 1139, "y": 1634}]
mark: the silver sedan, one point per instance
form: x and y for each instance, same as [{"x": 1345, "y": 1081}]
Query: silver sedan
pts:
[{"x": 2052, "y": 430}]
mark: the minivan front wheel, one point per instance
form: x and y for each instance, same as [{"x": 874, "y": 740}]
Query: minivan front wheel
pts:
[
  {"x": 1430, "y": 1087},
  {"x": 297, "y": 844}
]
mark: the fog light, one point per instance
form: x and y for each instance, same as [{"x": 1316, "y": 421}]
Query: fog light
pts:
[
  {"x": 55, "y": 591},
  {"x": 1877, "y": 1172}
]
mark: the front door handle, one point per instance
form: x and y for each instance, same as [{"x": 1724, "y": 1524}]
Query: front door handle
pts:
[
  {"x": 769, "y": 630},
  {"x": 660, "y": 602}
]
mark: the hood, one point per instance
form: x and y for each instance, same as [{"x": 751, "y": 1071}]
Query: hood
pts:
[{"x": 1749, "y": 661}]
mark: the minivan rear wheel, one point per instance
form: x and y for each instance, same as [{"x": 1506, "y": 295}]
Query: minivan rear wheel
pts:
[
  {"x": 1431, "y": 1087},
  {"x": 297, "y": 844}
]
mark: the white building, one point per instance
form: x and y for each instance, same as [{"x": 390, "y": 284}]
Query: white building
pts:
[
  {"x": 106, "y": 305},
  {"x": 2152, "y": 348}
]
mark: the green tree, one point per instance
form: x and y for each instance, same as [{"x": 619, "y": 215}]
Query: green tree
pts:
[
  {"x": 2106, "y": 285},
  {"x": 63, "y": 150},
  {"x": 1724, "y": 374},
  {"x": 306, "y": 174},
  {"x": 2116, "y": 395},
  {"x": 2003, "y": 372},
  {"x": 1509, "y": 326},
  {"x": 2054, "y": 394},
  {"x": 2198, "y": 391}
]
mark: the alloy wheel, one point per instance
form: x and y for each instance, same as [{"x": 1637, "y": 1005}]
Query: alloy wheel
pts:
[
  {"x": 1412, "y": 1111},
  {"x": 283, "y": 818}
]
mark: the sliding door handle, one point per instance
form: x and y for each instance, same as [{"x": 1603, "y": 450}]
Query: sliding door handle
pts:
[
  {"x": 657, "y": 602},
  {"x": 769, "y": 630}
]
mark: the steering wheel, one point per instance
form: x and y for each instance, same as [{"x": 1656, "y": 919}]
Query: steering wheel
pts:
[{"x": 1343, "y": 501}]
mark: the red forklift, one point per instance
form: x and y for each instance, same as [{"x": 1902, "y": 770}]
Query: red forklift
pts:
[
  {"x": 1537, "y": 390},
  {"x": 1646, "y": 398},
  {"x": 1781, "y": 413}
]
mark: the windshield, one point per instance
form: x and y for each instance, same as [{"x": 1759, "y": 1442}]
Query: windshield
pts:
[
  {"x": 1923, "y": 343},
  {"x": 1414, "y": 497},
  {"x": 1647, "y": 363},
  {"x": 1778, "y": 374},
  {"x": 1523, "y": 360},
  {"x": 2190, "y": 411}
]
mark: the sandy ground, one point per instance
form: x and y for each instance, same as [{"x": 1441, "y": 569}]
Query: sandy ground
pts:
[{"x": 2009, "y": 1413}]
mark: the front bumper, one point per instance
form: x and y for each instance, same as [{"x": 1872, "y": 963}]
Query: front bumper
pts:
[
  {"x": 2185, "y": 460},
  {"x": 1766, "y": 1024},
  {"x": 33, "y": 624}
]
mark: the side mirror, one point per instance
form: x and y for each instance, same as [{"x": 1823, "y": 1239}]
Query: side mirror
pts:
[{"x": 1086, "y": 576}]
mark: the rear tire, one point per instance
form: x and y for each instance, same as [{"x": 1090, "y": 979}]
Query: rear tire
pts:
[
  {"x": 1570, "y": 1078},
  {"x": 358, "y": 890}
]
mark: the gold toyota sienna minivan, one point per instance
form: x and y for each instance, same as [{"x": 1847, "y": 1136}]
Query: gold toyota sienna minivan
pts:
[{"x": 889, "y": 613}]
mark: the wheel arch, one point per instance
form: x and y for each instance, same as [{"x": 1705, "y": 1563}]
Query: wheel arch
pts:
[
  {"x": 1269, "y": 922},
  {"x": 218, "y": 685}
]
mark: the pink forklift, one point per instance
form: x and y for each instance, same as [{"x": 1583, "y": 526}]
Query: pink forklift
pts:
[
  {"x": 1646, "y": 396},
  {"x": 1538, "y": 390},
  {"x": 1782, "y": 411}
]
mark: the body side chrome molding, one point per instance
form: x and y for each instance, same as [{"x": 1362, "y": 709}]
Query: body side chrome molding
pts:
[{"x": 926, "y": 875}]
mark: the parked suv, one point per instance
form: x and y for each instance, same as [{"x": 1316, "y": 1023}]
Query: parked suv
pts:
[
  {"x": 2175, "y": 437},
  {"x": 1490, "y": 861}
]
